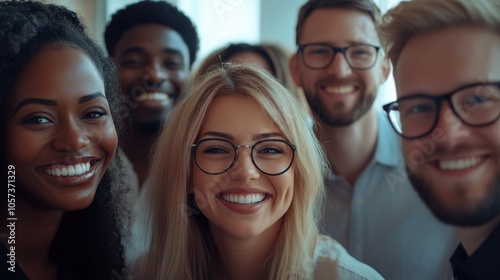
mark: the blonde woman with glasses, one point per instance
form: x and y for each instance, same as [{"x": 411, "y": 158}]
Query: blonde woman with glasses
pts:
[{"x": 236, "y": 185}]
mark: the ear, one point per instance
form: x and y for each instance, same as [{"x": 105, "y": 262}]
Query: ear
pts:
[
  {"x": 294, "y": 69},
  {"x": 386, "y": 69}
]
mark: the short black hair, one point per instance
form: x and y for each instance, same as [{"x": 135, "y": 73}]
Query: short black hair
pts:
[
  {"x": 145, "y": 12},
  {"x": 88, "y": 242}
]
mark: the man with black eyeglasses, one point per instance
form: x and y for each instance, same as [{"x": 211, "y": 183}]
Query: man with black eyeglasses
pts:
[
  {"x": 447, "y": 73},
  {"x": 371, "y": 208}
]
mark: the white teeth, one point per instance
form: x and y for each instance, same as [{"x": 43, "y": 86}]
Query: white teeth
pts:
[
  {"x": 459, "y": 164},
  {"x": 340, "y": 90},
  {"x": 244, "y": 198},
  {"x": 70, "y": 170},
  {"x": 154, "y": 96}
]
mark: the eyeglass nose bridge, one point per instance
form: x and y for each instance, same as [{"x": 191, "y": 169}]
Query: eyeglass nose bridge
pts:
[
  {"x": 439, "y": 104},
  {"x": 337, "y": 50},
  {"x": 236, "y": 153}
]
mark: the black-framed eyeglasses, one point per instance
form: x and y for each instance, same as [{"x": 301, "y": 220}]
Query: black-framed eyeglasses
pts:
[
  {"x": 319, "y": 56},
  {"x": 416, "y": 116},
  {"x": 271, "y": 156}
]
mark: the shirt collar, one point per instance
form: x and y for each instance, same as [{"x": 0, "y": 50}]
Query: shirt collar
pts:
[{"x": 482, "y": 264}]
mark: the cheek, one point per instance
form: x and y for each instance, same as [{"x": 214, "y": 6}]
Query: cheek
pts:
[
  {"x": 130, "y": 78},
  {"x": 22, "y": 146},
  {"x": 105, "y": 138},
  {"x": 180, "y": 77}
]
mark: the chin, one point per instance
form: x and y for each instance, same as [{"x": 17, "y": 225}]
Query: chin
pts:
[{"x": 465, "y": 213}]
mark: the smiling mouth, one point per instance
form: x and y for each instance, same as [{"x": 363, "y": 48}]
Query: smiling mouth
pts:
[
  {"x": 69, "y": 170},
  {"x": 244, "y": 199},
  {"x": 340, "y": 89},
  {"x": 153, "y": 96},
  {"x": 459, "y": 164}
]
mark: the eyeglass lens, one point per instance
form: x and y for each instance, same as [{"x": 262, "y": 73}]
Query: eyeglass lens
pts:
[
  {"x": 358, "y": 56},
  {"x": 475, "y": 106},
  {"x": 270, "y": 156}
]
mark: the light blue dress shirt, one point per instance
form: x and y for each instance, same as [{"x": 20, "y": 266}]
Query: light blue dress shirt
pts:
[{"x": 382, "y": 222}]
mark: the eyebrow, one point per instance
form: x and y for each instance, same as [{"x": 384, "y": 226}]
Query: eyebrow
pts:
[
  {"x": 141, "y": 50},
  {"x": 50, "y": 102},
  {"x": 256, "y": 137},
  {"x": 89, "y": 97}
]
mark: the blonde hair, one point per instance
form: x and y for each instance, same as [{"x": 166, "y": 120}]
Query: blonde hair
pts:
[
  {"x": 181, "y": 245},
  {"x": 408, "y": 19}
]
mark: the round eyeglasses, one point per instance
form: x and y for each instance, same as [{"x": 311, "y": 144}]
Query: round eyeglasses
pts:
[
  {"x": 271, "y": 156},
  {"x": 320, "y": 56},
  {"x": 416, "y": 116}
]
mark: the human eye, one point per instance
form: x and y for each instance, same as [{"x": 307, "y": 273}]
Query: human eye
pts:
[
  {"x": 173, "y": 64},
  {"x": 360, "y": 51},
  {"x": 215, "y": 147},
  {"x": 317, "y": 50},
  {"x": 416, "y": 108},
  {"x": 272, "y": 148},
  {"x": 214, "y": 150},
  {"x": 95, "y": 114},
  {"x": 35, "y": 119},
  {"x": 132, "y": 61},
  {"x": 476, "y": 100}
]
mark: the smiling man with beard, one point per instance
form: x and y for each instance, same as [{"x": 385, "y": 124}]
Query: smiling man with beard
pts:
[
  {"x": 447, "y": 72},
  {"x": 154, "y": 46},
  {"x": 371, "y": 208}
]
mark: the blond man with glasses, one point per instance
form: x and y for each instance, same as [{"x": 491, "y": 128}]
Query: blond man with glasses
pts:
[{"x": 446, "y": 57}]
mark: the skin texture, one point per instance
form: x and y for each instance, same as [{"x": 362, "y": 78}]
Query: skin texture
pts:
[
  {"x": 152, "y": 58},
  {"x": 242, "y": 120},
  {"x": 467, "y": 196},
  {"x": 45, "y": 137},
  {"x": 322, "y": 87}
]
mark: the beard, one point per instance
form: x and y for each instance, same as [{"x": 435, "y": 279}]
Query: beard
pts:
[
  {"x": 339, "y": 114},
  {"x": 480, "y": 213}
]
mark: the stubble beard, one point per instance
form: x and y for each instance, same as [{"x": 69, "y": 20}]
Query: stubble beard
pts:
[
  {"x": 481, "y": 213},
  {"x": 340, "y": 115}
]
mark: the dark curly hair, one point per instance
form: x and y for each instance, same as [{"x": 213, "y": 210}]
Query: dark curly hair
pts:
[
  {"x": 151, "y": 12},
  {"x": 88, "y": 242}
]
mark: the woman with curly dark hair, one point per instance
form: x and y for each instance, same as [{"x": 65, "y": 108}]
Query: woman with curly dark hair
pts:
[{"x": 64, "y": 204}]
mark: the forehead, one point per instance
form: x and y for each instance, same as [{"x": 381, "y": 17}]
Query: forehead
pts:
[
  {"x": 237, "y": 114},
  {"x": 152, "y": 38},
  {"x": 56, "y": 71},
  {"x": 338, "y": 26},
  {"x": 443, "y": 60}
]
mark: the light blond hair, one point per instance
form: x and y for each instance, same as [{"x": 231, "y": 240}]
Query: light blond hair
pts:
[
  {"x": 181, "y": 245},
  {"x": 411, "y": 18}
]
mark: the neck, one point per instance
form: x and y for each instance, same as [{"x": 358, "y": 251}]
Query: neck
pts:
[
  {"x": 138, "y": 147},
  {"x": 472, "y": 237},
  {"x": 243, "y": 259},
  {"x": 350, "y": 148},
  {"x": 35, "y": 230}
]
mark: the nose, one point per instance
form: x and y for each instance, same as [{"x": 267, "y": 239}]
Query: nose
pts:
[
  {"x": 243, "y": 169},
  {"x": 339, "y": 65},
  {"x": 70, "y": 137},
  {"x": 157, "y": 74},
  {"x": 454, "y": 130}
]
